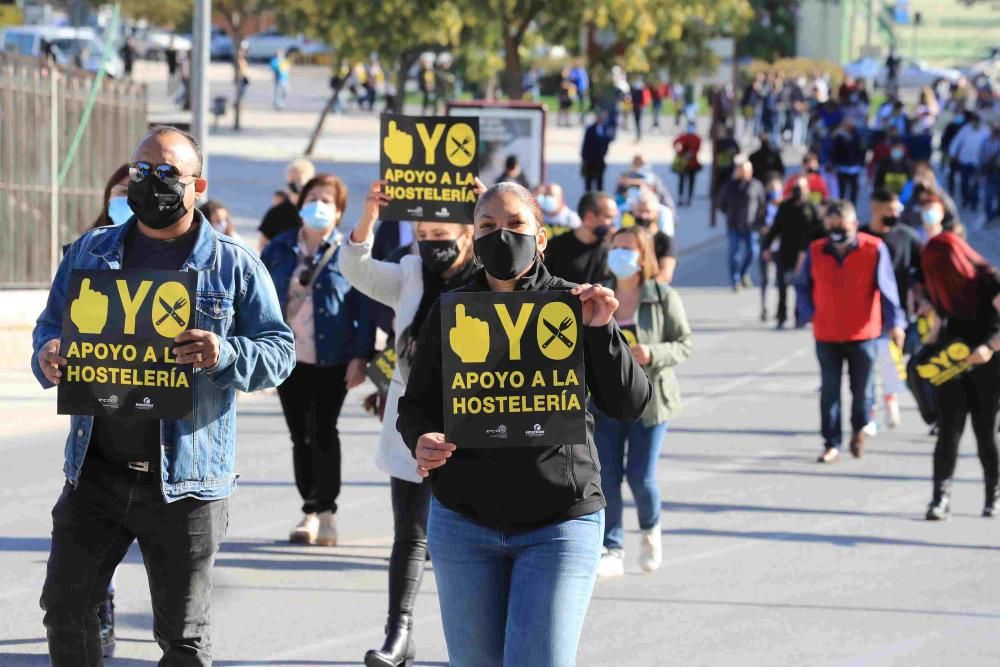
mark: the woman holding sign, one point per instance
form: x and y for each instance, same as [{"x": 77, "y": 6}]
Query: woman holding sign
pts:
[
  {"x": 333, "y": 338},
  {"x": 652, "y": 317},
  {"x": 515, "y": 531},
  {"x": 963, "y": 288},
  {"x": 446, "y": 261}
]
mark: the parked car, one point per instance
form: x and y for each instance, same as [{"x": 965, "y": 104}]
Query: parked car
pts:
[
  {"x": 222, "y": 45},
  {"x": 152, "y": 43},
  {"x": 264, "y": 45},
  {"x": 67, "y": 45},
  {"x": 913, "y": 73}
]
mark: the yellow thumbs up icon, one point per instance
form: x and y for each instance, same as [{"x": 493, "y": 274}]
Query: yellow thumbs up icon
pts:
[
  {"x": 469, "y": 338},
  {"x": 398, "y": 145},
  {"x": 89, "y": 311}
]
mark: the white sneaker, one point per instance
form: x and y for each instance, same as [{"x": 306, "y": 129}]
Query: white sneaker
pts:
[
  {"x": 892, "y": 416},
  {"x": 871, "y": 429},
  {"x": 305, "y": 532},
  {"x": 651, "y": 553},
  {"x": 612, "y": 563},
  {"x": 326, "y": 536}
]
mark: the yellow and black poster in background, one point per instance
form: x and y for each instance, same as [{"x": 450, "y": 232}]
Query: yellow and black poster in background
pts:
[
  {"x": 381, "y": 368},
  {"x": 430, "y": 163},
  {"x": 118, "y": 339},
  {"x": 512, "y": 365}
]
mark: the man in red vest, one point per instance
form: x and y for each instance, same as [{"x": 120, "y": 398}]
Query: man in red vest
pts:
[{"x": 848, "y": 289}]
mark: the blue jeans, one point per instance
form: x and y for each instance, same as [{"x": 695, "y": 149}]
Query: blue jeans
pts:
[
  {"x": 512, "y": 599},
  {"x": 991, "y": 195},
  {"x": 610, "y": 436},
  {"x": 860, "y": 357},
  {"x": 970, "y": 187},
  {"x": 743, "y": 249}
]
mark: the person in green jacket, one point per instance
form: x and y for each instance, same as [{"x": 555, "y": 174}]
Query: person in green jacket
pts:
[{"x": 653, "y": 321}]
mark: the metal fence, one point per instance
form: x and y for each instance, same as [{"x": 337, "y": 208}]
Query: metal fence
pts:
[{"x": 40, "y": 108}]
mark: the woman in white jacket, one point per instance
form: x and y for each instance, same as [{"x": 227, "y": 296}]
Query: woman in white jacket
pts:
[{"x": 446, "y": 261}]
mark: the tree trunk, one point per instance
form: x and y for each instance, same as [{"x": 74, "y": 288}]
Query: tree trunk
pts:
[
  {"x": 512, "y": 71},
  {"x": 406, "y": 62},
  {"x": 330, "y": 104}
]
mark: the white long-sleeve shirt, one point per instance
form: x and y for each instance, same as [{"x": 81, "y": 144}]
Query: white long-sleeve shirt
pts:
[{"x": 968, "y": 142}]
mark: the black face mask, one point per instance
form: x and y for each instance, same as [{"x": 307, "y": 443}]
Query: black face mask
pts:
[
  {"x": 890, "y": 220},
  {"x": 797, "y": 193},
  {"x": 644, "y": 222},
  {"x": 155, "y": 203},
  {"x": 438, "y": 256},
  {"x": 293, "y": 187},
  {"x": 601, "y": 232},
  {"x": 838, "y": 235},
  {"x": 505, "y": 254}
]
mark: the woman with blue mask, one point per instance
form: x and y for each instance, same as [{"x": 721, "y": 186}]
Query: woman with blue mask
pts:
[
  {"x": 116, "y": 210},
  {"x": 333, "y": 339},
  {"x": 652, "y": 318}
]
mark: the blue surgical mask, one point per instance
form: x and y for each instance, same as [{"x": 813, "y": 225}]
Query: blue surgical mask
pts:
[
  {"x": 959, "y": 119},
  {"x": 896, "y": 153},
  {"x": 623, "y": 262},
  {"x": 318, "y": 215},
  {"x": 547, "y": 203},
  {"x": 119, "y": 211}
]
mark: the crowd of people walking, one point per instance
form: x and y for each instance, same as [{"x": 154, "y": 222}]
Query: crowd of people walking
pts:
[{"x": 302, "y": 312}]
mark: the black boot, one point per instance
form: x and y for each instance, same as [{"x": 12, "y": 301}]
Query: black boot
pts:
[
  {"x": 990, "y": 506},
  {"x": 398, "y": 648},
  {"x": 940, "y": 507},
  {"x": 106, "y": 614}
]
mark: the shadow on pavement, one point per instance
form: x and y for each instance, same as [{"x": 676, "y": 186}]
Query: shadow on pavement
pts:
[
  {"x": 816, "y": 607},
  {"x": 831, "y": 472},
  {"x": 719, "y": 508},
  {"x": 822, "y": 538},
  {"x": 331, "y": 563},
  {"x": 769, "y": 432}
]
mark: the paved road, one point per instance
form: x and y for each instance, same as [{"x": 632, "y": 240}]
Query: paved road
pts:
[{"x": 770, "y": 558}]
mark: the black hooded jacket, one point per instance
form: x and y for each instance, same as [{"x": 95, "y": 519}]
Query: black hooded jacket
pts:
[{"x": 523, "y": 488}]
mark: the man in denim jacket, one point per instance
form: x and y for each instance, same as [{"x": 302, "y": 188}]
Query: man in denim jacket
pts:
[{"x": 163, "y": 483}]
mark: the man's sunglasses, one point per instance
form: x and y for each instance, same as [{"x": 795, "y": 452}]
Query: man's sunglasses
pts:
[{"x": 167, "y": 174}]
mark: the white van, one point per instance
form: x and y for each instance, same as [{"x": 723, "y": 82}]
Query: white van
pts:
[{"x": 67, "y": 44}]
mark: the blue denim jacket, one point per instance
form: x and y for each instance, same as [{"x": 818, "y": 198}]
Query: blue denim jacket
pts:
[
  {"x": 344, "y": 328},
  {"x": 236, "y": 301}
]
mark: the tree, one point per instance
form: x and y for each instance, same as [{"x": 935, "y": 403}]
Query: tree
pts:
[
  {"x": 233, "y": 14},
  {"x": 399, "y": 31},
  {"x": 513, "y": 18}
]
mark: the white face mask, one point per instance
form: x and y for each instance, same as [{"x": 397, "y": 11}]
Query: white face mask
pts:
[{"x": 220, "y": 226}]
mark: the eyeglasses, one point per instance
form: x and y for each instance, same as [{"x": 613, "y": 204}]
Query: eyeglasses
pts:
[{"x": 167, "y": 174}]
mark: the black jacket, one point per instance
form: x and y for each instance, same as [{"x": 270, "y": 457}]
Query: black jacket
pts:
[
  {"x": 767, "y": 162},
  {"x": 523, "y": 488},
  {"x": 796, "y": 224}
]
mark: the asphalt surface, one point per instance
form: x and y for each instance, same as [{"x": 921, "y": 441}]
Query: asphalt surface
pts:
[{"x": 770, "y": 558}]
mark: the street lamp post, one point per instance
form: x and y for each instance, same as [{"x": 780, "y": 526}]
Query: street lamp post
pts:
[{"x": 199, "y": 74}]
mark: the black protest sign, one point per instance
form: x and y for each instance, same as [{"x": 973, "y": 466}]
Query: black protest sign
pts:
[
  {"x": 512, "y": 365},
  {"x": 118, "y": 339},
  {"x": 381, "y": 368},
  {"x": 944, "y": 363},
  {"x": 430, "y": 165}
]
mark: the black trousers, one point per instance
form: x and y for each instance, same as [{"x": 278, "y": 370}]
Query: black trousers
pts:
[
  {"x": 783, "y": 280},
  {"x": 410, "y": 506},
  {"x": 593, "y": 176},
  {"x": 686, "y": 177},
  {"x": 311, "y": 399},
  {"x": 93, "y": 526},
  {"x": 848, "y": 185},
  {"x": 974, "y": 394}
]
